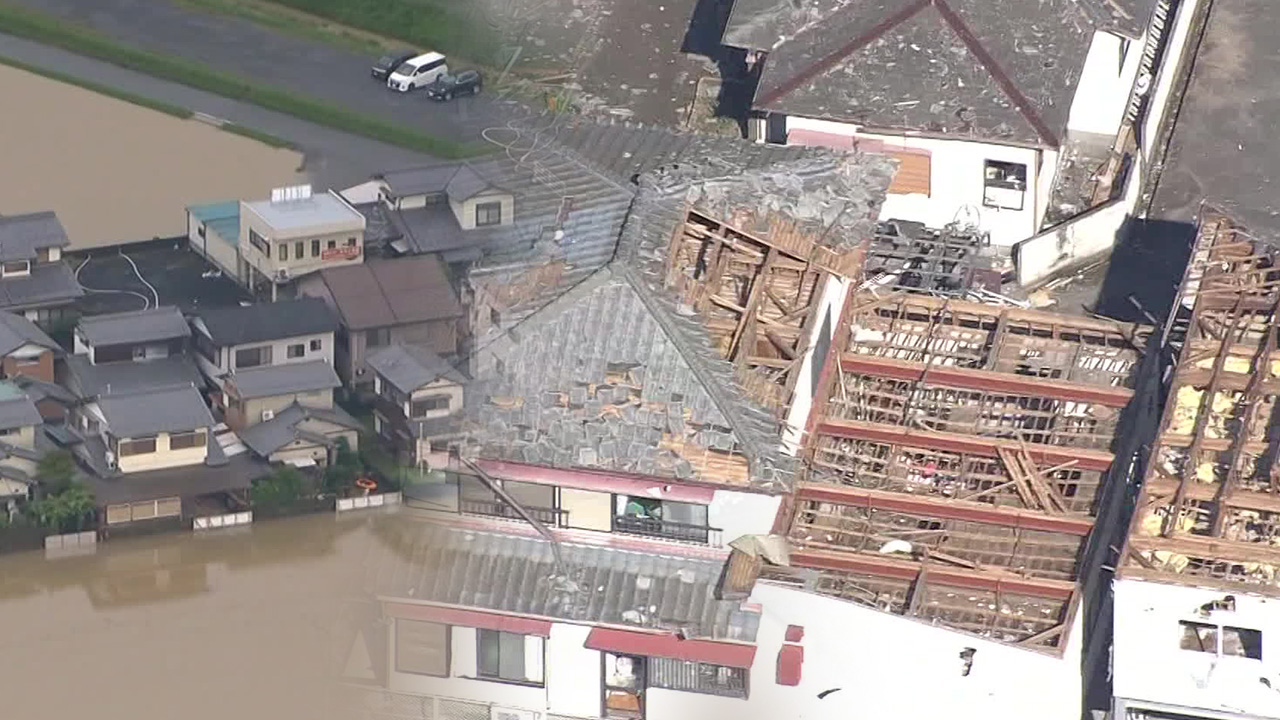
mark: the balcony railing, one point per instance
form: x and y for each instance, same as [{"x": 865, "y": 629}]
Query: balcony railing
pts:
[
  {"x": 668, "y": 529},
  {"x": 497, "y": 508}
]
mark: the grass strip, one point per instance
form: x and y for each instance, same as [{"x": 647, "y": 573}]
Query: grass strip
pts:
[
  {"x": 159, "y": 106},
  {"x": 262, "y": 137},
  {"x": 82, "y": 41}
]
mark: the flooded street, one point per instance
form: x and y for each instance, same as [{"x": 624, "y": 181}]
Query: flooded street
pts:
[{"x": 239, "y": 626}]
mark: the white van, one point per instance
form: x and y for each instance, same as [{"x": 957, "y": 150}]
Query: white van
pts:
[{"x": 417, "y": 72}]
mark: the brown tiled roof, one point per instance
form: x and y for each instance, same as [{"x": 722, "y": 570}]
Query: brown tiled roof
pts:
[{"x": 392, "y": 292}]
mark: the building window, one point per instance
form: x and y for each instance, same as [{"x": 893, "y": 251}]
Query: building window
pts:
[
  {"x": 299, "y": 250},
  {"x": 9, "y": 432},
  {"x": 422, "y": 648},
  {"x": 18, "y": 267},
  {"x": 253, "y": 357},
  {"x": 351, "y": 242},
  {"x": 697, "y": 677},
  {"x": 316, "y": 345},
  {"x": 640, "y": 515},
  {"x": 137, "y": 446},
  {"x": 295, "y": 351},
  {"x": 182, "y": 441},
  {"x": 508, "y": 656},
  {"x": 315, "y": 248},
  {"x": 623, "y": 686},
  {"x": 260, "y": 243},
  {"x": 1004, "y": 185},
  {"x": 333, "y": 244},
  {"x": 1221, "y": 640},
  {"x": 489, "y": 213},
  {"x": 421, "y": 406},
  {"x": 283, "y": 251},
  {"x": 377, "y": 337}
]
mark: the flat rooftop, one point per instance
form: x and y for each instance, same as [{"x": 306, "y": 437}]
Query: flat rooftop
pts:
[{"x": 298, "y": 214}]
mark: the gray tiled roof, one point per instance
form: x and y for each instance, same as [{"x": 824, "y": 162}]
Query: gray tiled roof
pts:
[
  {"x": 511, "y": 572},
  {"x": 22, "y": 235},
  {"x": 186, "y": 482},
  {"x": 409, "y": 367},
  {"x": 17, "y": 331},
  {"x": 174, "y": 409},
  {"x": 267, "y": 437},
  {"x": 48, "y": 284},
  {"x": 261, "y": 322},
  {"x": 435, "y": 179},
  {"x": 271, "y": 380},
  {"x": 16, "y": 409},
  {"x": 139, "y": 326},
  {"x": 89, "y": 380},
  {"x": 903, "y": 64}
]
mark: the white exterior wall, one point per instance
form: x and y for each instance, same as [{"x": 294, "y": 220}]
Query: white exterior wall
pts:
[
  {"x": 739, "y": 513},
  {"x": 219, "y": 250},
  {"x": 438, "y": 387},
  {"x": 832, "y": 301},
  {"x": 163, "y": 457},
  {"x": 888, "y": 666},
  {"x": 279, "y": 350},
  {"x": 1103, "y": 91},
  {"x": 1151, "y": 670},
  {"x": 956, "y": 175}
]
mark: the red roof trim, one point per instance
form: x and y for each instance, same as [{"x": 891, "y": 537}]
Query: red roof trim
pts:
[
  {"x": 600, "y": 482},
  {"x": 668, "y": 645},
  {"x": 469, "y": 618}
]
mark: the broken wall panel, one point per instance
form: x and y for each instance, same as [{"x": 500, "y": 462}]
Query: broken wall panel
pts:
[
  {"x": 961, "y": 448},
  {"x": 1210, "y": 506}
]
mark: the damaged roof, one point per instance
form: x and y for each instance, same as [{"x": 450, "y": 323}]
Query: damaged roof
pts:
[
  {"x": 513, "y": 572},
  {"x": 1209, "y": 511},
  {"x": 966, "y": 68}
]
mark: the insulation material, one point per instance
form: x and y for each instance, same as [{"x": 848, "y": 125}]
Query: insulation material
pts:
[{"x": 1186, "y": 406}]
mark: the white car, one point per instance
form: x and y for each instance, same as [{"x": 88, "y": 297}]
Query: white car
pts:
[{"x": 417, "y": 72}]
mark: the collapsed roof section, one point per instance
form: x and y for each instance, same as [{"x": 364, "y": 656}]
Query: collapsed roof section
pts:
[
  {"x": 1209, "y": 512},
  {"x": 957, "y": 453}
]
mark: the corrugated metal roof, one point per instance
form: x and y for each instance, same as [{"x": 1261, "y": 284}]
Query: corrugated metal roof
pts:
[
  {"x": 515, "y": 573},
  {"x": 223, "y": 218}
]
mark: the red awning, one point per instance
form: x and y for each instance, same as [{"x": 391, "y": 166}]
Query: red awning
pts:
[
  {"x": 469, "y": 618},
  {"x": 668, "y": 645}
]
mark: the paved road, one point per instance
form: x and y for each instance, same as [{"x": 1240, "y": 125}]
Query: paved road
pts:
[
  {"x": 304, "y": 66},
  {"x": 333, "y": 158}
]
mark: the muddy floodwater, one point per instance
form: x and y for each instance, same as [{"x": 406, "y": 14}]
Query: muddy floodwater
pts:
[{"x": 244, "y": 626}]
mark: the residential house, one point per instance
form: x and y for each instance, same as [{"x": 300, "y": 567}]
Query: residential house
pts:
[
  {"x": 287, "y": 332},
  {"x": 1194, "y": 620},
  {"x": 20, "y": 423},
  {"x": 302, "y": 435},
  {"x": 257, "y": 394},
  {"x": 272, "y": 242},
  {"x": 25, "y": 349},
  {"x": 979, "y": 103},
  {"x": 382, "y": 302},
  {"x": 122, "y": 352},
  {"x": 34, "y": 279},
  {"x": 419, "y": 401}
]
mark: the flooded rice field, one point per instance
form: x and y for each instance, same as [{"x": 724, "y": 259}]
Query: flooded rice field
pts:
[{"x": 245, "y": 625}]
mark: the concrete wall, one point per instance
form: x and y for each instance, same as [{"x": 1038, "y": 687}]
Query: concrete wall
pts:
[
  {"x": 222, "y": 252},
  {"x": 739, "y": 513},
  {"x": 462, "y": 683},
  {"x": 1149, "y": 667},
  {"x": 832, "y": 302},
  {"x": 164, "y": 457},
  {"x": 339, "y": 234},
  {"x": 956, "y": 180},
  {"x": 1102, "y": 94}
]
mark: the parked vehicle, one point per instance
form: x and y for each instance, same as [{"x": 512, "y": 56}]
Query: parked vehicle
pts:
[
  {"x": 392, "y": 60},
  {"x": 418, "y": 72},
  {"x": 447, "y": 87}
]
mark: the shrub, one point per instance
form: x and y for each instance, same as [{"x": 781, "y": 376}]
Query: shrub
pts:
[{"x": 280, "y": 488}]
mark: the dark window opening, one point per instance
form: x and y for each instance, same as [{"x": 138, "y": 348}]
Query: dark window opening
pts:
[
  {"x": 489, "y": 213},
  {"x": 422, "y": 648},
  {"x": 698, "y": 677},
  {"x": 505, "y": 656},
  {"x": 1004, "y": 185}
]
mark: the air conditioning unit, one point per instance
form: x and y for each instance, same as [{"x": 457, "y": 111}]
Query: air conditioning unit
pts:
[
  {"x": 501, "y": 713},
  {"x": 268, "y": 415}
]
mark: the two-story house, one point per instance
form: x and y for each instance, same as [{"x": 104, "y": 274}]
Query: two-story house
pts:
[
  {"x": 269, "y": 243},
  {"x": 419, "y": 401},
  {"x": 34, "y": 280},
  {"x": 235, "y": 339},
  {"x": 255, "y": 395},
  {"x": 122, "y": 352},
  {"x": 19, "y": 424},
  {"x": 384, "y": 302},
  {"x": 25, "y": 349}
]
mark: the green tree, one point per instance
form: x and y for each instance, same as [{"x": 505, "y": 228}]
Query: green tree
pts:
[
  {"x": 68, "y": 511},
  {"x": 56, "y": 471},
  {"x": 280, "y": 488}
]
